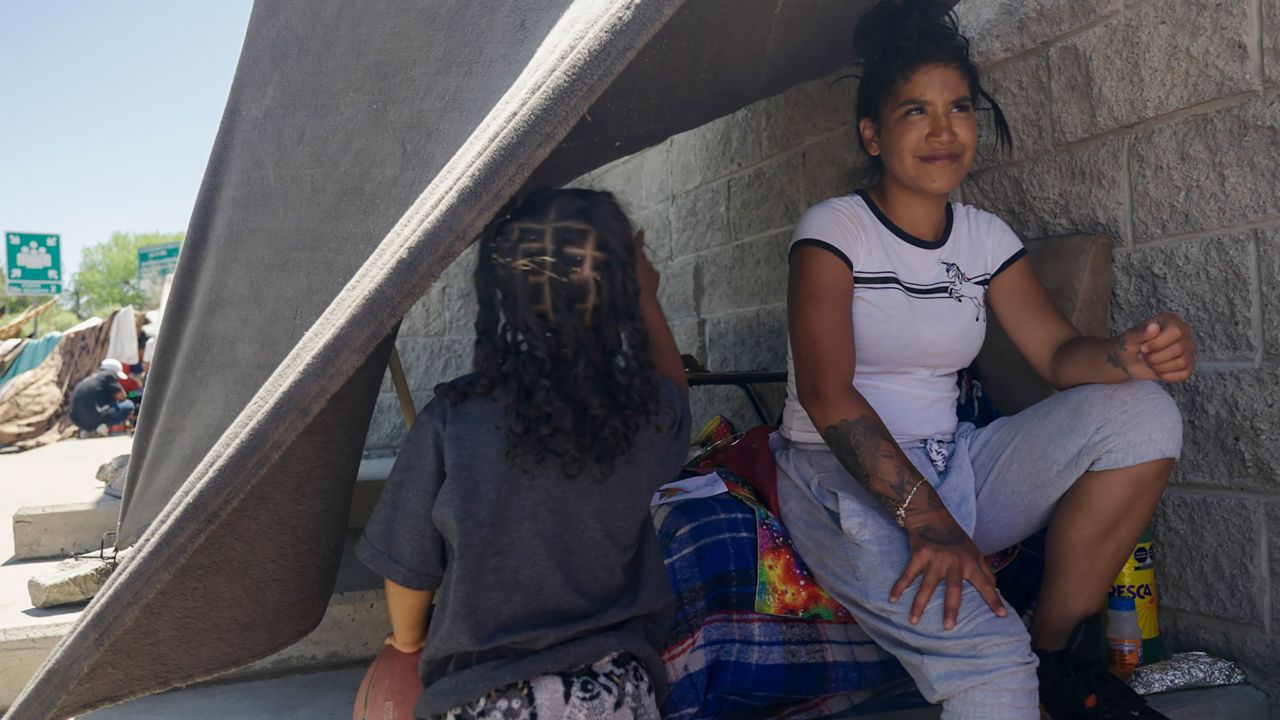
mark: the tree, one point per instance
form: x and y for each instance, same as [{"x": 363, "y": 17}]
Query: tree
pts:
[{"x": 108, "y": 275}]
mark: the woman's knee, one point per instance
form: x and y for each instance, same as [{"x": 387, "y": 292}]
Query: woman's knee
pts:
[{"x": 1137, "y": 414}]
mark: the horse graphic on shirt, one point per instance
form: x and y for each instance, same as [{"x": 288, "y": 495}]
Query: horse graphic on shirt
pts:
[{"x": 962, "y": 288}]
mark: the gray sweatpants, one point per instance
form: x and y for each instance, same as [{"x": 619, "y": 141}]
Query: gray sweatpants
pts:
[{"x": 1001, "y": 483}]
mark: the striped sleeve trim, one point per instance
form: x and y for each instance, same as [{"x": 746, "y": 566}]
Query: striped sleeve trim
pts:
[
  {"x": 1008, "y": 263},
  {"x": 823, "y": 245}
]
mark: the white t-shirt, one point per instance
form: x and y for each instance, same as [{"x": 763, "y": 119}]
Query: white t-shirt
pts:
[{"x": 919, "y": 309}]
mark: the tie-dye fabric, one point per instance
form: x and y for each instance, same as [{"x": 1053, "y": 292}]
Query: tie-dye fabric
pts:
[{"x": 784, "y": 585}]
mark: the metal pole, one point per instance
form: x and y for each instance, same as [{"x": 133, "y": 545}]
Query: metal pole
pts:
[{"x": 402, "y": 388}]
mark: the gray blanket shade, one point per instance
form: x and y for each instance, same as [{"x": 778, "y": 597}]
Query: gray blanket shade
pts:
[{"x": 301, "y": 258}]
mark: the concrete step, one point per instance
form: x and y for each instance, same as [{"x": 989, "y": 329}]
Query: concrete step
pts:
[
  {"x": 329, "y": 695},
  {"x": 60, "y": 530},
  {"x": 350, "y": 633},
  {"x": 63, "y": 529}
]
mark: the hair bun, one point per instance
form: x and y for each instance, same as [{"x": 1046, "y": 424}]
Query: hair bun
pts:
[{"x": 901, "y": 24}]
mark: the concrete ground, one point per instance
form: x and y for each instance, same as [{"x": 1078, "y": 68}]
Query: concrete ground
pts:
[
  {"x": 329, "y": 695},
  {"x": 58, "y": 473}
]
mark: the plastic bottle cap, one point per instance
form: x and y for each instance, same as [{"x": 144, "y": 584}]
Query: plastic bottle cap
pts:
[{"x": 1120, "y": 604}]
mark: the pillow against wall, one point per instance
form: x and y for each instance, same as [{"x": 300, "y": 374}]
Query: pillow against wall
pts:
[{"x": 1076, "y": 270}]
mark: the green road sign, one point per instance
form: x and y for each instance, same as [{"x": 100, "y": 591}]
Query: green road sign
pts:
[
  {"x": 33, "y": 263},
  {"x": 155, "y": 263}
]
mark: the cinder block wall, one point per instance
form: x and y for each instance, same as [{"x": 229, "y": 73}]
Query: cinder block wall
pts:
[
  {"x": 1154, "y": 122},
  {"x": 1158, "y": 123}
]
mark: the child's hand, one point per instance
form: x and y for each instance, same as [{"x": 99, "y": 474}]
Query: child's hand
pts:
[
  {"x": 407, "y": 649},
  {"x": 646, "y": 275}
]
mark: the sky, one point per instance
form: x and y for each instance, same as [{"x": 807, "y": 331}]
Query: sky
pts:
[{"x": 108, "y": 111}]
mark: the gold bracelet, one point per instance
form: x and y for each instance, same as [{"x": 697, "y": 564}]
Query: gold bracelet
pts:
[{"x": 901, "y": 514}]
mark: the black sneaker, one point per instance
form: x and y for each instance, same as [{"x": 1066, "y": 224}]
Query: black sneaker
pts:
[{"x": 1075, "y": 684}]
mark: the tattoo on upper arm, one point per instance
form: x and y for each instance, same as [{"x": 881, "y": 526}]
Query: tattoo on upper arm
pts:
[{"x": 1114, "y": 348}]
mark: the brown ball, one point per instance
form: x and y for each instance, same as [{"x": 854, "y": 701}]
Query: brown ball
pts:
[{"x": 390, "y": 687}]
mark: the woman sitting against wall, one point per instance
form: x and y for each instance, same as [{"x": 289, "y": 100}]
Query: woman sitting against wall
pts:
[{"x": 889, "y": 500}]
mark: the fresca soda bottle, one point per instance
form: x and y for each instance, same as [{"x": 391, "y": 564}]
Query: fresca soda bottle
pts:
[
  {"x": 1124, "y": 637},
  {"x": 1137, "y": 581}
]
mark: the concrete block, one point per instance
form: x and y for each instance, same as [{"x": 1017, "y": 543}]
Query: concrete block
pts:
[
  {"x": 677, "y": 291},
  {"x": 1273, "y": 545},
  {"x": 639, "y": 181},
  {"x": 1080, "y": 190},
  {"x": 1207, "y": 282},
  {"x": 1206, "y": 171},
  {"x": 748, "y": 274},
  {"x": 45, "y": 531},
  {"x": 1021, "y": 86},
  {"x": 834, "y": 166},
  {"x": 999, "y": 29},
  {"x": 656, "y": 223},
  {"x": 74, "y": 580},
  {"x": 717, "y": 149},
  {"x": 108, "y": 470},
  {"x": 806, "y": 112},
  {"x": 1236, "y": 702},
  {"x": 426, "y": 317},
  {"x": 690, "y": 335},
  {"x": 460, "y": 309},
  {"x": 386, "y": 427},
  {"x": 1269, "y": 271},
  {"x": 22, "y": 651},
  {"x": 1270, "y": 21},
  {"x": 705, "y": 402},
  {"x": 114, "y": 473},
  {"x": 700, "y": 219},
  {"x": 1256, "y": 652},
  {"x": 1119, "y": 73},
  {"x": 430, "y": 360},
  {"x": 1222, "y": 578},
  {"x": 748, "y": 340},
  {"x": 351, "y": 631},
  {"x": 1231, "y": 421},
  {"x": 461, "y": 270},
  {"x": 768, "y": 197}
]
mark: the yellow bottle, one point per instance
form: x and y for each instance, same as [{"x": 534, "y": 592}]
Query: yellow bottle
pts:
[{"x": 1137, "y": 580}]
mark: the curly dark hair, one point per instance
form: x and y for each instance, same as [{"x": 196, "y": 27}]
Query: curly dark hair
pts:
[
  {"x": 897, "y": 37},
  {"x": 559, "y": 338}
]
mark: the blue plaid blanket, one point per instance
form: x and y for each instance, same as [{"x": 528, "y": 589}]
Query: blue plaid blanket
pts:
[{"x": 725, "y": 660}]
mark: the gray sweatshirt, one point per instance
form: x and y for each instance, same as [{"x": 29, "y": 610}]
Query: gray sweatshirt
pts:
[{"x": 532, "y": 574}]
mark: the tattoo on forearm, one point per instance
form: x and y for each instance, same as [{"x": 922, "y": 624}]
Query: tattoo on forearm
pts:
[
  {"x": 863, "y": 448},
  {"x": 872, "y": 457},
  {"x": 952, "y": 535},
  {"x": 1114, "y": 348}
]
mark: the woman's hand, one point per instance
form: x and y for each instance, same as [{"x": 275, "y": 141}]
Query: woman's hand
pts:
[
  {"x": 406, "y": 648},
  {"x": 1161, "y": 348},
  {"x": 942, "y": 551}
]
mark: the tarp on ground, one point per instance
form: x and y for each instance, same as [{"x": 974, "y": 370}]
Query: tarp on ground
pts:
[
  {"x": 363, "y": 146},
  {"x": 35, "y": 405},
  {"x": 33, "y": 353}
]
